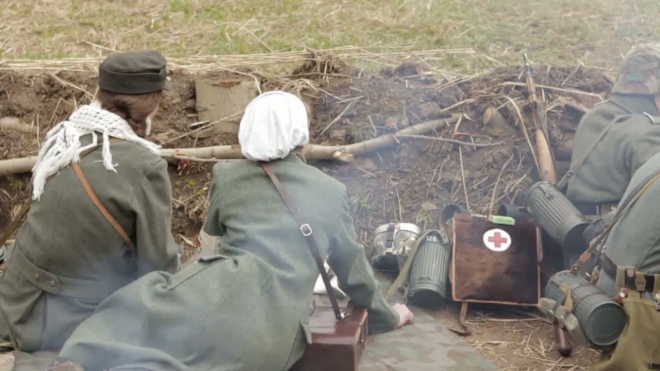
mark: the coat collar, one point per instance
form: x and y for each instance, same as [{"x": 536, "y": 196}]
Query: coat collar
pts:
[{"x": 635, "y": 103}]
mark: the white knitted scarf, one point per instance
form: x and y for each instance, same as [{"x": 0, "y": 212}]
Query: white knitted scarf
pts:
[{"x": 62, "y": 145}]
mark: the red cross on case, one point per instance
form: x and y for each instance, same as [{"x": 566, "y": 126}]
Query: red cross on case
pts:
[{"x": 497, "y": 240}]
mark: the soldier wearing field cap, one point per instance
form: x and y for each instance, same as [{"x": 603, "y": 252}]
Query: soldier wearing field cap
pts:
[
  {"x": 100, "y": 211},
  {"x": 615, "y": 138}
]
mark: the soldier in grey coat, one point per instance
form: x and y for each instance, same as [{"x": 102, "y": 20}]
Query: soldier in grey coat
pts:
[
  {"x": 67, "y": 257},
  {"x": 634, "y": 244},
  {"x": 246, "y": 308},
  {"x": 627, "y": 118},
  {"x": 634, "y": 240}
]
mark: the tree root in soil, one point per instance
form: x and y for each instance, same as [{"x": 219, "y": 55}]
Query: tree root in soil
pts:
[{"x": 344, "y": 153}]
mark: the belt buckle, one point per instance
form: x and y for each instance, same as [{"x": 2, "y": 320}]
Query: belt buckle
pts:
[
  {"x": 306, "y": 230},
  {"x": 640, "y": 282}
]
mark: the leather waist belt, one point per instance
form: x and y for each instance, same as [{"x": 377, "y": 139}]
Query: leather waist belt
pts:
[
  {"x": 58, "y": 285},
  {"x": 588, "y": 208},
  {"x": 598, "y": 226},
  {"x": 610, "y": 268}
]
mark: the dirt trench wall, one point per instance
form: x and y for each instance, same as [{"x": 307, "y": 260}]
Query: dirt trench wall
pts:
[{"x": 410, "y": 182}]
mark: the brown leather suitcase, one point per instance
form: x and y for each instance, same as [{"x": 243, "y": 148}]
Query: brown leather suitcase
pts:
[
  {"x": 496, "y": 264},
  {"x": 493, "y": 263},
  {"x": 336, "y": 345}
]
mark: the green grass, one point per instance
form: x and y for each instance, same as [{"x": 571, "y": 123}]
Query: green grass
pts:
[{"x": 595, "y": 32}]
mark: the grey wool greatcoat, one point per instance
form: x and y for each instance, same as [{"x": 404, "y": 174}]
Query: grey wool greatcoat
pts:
[
  {"x": 67, "y": 257},
  {"x": 248, "y": 307},
  {"x": 635, "y": 239},
  {"x": 605, "y": 174}
]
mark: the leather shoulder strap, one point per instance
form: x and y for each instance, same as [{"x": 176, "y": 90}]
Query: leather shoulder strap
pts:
[
  {"x": 28, "y": 204},
  {"x": 623, "y": 208},
  {"x": 102, "y": 209},
  {"x": 306, "y": 231},
  {"x": 580, "y": 161}
]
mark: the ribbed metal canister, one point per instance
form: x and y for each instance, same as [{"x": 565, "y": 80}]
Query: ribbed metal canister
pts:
[
  {"x": 430, "y": 270},
  {"x": 602, "y": 320},
  {"x": 557, "y": 216}
]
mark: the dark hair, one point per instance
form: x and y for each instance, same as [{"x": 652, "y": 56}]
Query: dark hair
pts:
[{"x": 134, "y": 108}]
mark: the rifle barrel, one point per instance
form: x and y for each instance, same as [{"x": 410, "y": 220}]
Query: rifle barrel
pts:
[{"x": 530, "y": 82}]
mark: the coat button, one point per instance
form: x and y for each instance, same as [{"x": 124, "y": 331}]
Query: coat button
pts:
[
  {"x": 52, "y": 283},
  {"x": 36, "y": 276},
  {"x": 657, "y": 296}
]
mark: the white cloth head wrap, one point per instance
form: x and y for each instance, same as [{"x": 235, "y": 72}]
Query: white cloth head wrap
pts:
[
  {"x": 274, "y": 123},
  {"x": 62, "y": 145}
]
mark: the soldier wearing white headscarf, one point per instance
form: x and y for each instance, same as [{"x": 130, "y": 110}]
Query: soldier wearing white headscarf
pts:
[
  {"x": 274, "y": 124},
  {"x": 253, "y": 295}
]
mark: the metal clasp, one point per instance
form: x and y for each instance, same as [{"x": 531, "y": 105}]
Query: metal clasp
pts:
[{"x": 306, "y": 230}]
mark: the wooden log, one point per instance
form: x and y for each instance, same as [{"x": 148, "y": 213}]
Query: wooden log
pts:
[{"x": 343, "y": 153}]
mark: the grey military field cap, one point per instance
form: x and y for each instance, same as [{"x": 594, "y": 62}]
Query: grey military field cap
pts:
[
  {"x": 640, "y": 71},
  {"x": 138, "y": 72}
]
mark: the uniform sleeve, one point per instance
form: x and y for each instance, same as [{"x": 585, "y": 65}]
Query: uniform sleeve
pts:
[
  {"x": 213, "y": 226},
  {"x": 644, "y": 144},
  {"x": 156, "y": 248},
  {"x": 356, "y": 278}
]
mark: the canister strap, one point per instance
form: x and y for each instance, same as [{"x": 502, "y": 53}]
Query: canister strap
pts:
[
  {"x": 391, "y": 235},
  {"x": 569, "y": 304},
  {"x": 405, "y": 270}
]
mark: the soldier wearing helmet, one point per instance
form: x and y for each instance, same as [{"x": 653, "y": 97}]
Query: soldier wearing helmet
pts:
[{"x": 617, "y": 136}]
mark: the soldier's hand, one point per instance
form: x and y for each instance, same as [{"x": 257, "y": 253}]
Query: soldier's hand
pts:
[{"x": 405, "y": 314}]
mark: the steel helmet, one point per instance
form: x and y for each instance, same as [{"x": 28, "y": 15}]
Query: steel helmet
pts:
[{"x": 640, "y": 71}]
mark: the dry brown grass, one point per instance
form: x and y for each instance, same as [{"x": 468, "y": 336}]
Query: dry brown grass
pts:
[{"x": 594, "y": 32}]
